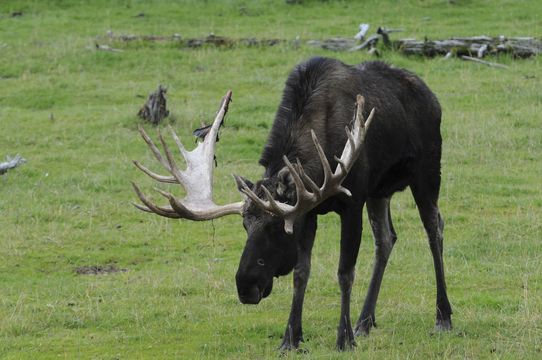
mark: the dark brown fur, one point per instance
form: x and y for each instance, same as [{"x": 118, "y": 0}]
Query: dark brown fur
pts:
[{"x": 403, "y": 148}]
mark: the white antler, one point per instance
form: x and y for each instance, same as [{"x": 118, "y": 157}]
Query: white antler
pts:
[
  {"x": 307, "y": 200},
  {"x": 197, "y": 179}
]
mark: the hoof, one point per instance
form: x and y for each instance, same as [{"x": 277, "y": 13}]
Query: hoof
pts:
[
  {"x": 362, "y": 331},
  {"x": 286, "y": 349},
  {"x": 345, "y": 340},
  {"x": 363, "y": 328},
  {"x": 347, "y": 345},
  {"x": 443, "y": 325},
  {"x": 288, "y": 345}
]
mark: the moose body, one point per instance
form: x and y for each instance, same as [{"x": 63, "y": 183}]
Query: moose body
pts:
[{"x": 402, "y": 148}]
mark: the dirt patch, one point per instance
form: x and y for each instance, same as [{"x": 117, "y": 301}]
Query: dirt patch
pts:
[{"x": 98, "y": 269}]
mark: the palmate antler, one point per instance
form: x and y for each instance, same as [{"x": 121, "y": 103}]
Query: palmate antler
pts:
[
  {"x": 197, "y": 179},
  {"x": 307, "y": 200}
]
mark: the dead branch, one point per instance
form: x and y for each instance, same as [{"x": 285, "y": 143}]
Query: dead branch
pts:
[
  {"x": 107, "y": 48},
  {"x": 370, "y": 43},
  {"x": 482, "y": 51},
  {"x": 11, "y": 163},
  {"x": 385, "y": 33},
  {"x": 469, "y": 58},
  {"x": 363, "y": 28},
  {"x": 154, "y": 110}
]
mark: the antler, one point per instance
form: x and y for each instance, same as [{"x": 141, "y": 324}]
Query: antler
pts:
[
  {"x": 197, "y": 179},
  {"x": 307, "y": 200}
]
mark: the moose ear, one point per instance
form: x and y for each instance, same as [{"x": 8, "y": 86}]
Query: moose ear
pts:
[
  {"x": 286, "y": 185},
  {"x": 240, "y": 181}
]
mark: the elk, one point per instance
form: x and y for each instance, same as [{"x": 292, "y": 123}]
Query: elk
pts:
[{"x": 322, "y": 156}]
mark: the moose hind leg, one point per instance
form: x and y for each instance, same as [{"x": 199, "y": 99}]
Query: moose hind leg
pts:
[
  {"x": 426, "y": 200},
  {"x": 385, "y": 237}
]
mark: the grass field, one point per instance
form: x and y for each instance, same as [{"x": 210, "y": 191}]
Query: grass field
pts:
[{"x": 70, "y": 111}]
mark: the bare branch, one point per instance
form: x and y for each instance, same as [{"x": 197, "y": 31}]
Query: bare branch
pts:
[
  {"x": 469, "y": 58},
  {"x": 11, "y": 163}
]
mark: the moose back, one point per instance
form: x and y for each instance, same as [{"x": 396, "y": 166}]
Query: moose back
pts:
[{"x": 321, "y": 156}]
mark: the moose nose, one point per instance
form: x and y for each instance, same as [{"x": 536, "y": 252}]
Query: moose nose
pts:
[{"x": 251, "y": 295}]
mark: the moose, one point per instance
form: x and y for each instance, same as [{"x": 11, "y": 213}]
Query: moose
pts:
[{"x": 320, "y": 126}]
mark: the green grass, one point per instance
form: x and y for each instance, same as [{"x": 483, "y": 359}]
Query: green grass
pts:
[{"x": 70, "y": 111}]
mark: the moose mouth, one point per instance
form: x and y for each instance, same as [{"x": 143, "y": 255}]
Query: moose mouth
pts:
[{"x": 254, "y": 294}]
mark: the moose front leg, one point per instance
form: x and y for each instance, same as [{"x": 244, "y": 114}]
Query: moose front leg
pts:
[
  {"x": 350, "y": 241},
  {"x": 294, "y": 331},
  {"x": 385, "y": 237}
]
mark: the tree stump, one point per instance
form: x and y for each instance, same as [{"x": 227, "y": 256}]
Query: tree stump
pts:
[{"x": 154, "y": 110}]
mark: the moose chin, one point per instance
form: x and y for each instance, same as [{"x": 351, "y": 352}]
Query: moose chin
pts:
[{"x": 344, "y": 138}]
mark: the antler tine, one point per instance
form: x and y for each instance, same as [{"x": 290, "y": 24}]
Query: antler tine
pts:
[
  {"x": 360, "y": 104},
  {"x": 314, "y": 188},
  {"x": 325, "y": 164},
  {"x": 170, "y": 213},
  {"x": 341, "y": 163},
  {"x": 300, "y": 187},
  {"x": 155, "y": 176},
  {"x": 368, "y": 121},
  {"x": 173, "y": 169},
  {"x": 350, "y": 135},
  {"x": 177, "y": 205},
  {"x": 210, "y": 138},
  {"x": 307, "y": 200},
  {"x": 248, "y": 192},
  {"x": 180, "y": 145},
  {"x": 153, "y": 147},
  {"x": 272, "y": 202}
]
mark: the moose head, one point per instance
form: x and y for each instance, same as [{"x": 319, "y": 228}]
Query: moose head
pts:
[{"x": 272, "y": 208}]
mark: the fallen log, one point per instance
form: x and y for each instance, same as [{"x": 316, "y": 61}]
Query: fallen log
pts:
[
  {"x": 211, "y": 39},
  {"x": 335, "y": 44},
  {"x": 517, "y": 47},
  {"x": 479, "y": 46}
]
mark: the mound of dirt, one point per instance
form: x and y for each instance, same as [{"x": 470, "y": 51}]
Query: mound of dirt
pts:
[{"x": 98, "y": 269}]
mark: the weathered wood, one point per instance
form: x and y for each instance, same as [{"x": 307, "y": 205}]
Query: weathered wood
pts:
[
  {"x": 154, "y": 110},
  {"x": 369, "y": 43},
  {"x": 335, "y": 44},
  {"x": 11, "y": 163},
  {"x": 107, "y": 48},
  {"x": 130, "y": 37},
  {"x": 385, "y": 33},
  {"x": 211, "y": 40},
  {"x": 518, "y": 47},
  {"x": 482, "y": 50},
  {"x": 363, "y": 28},
  {"x": 469, "y": 58},
  {"x": 478, "y": 46}
]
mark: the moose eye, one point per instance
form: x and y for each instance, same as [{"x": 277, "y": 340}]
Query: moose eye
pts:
[{"x": 260, "y": 262}]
